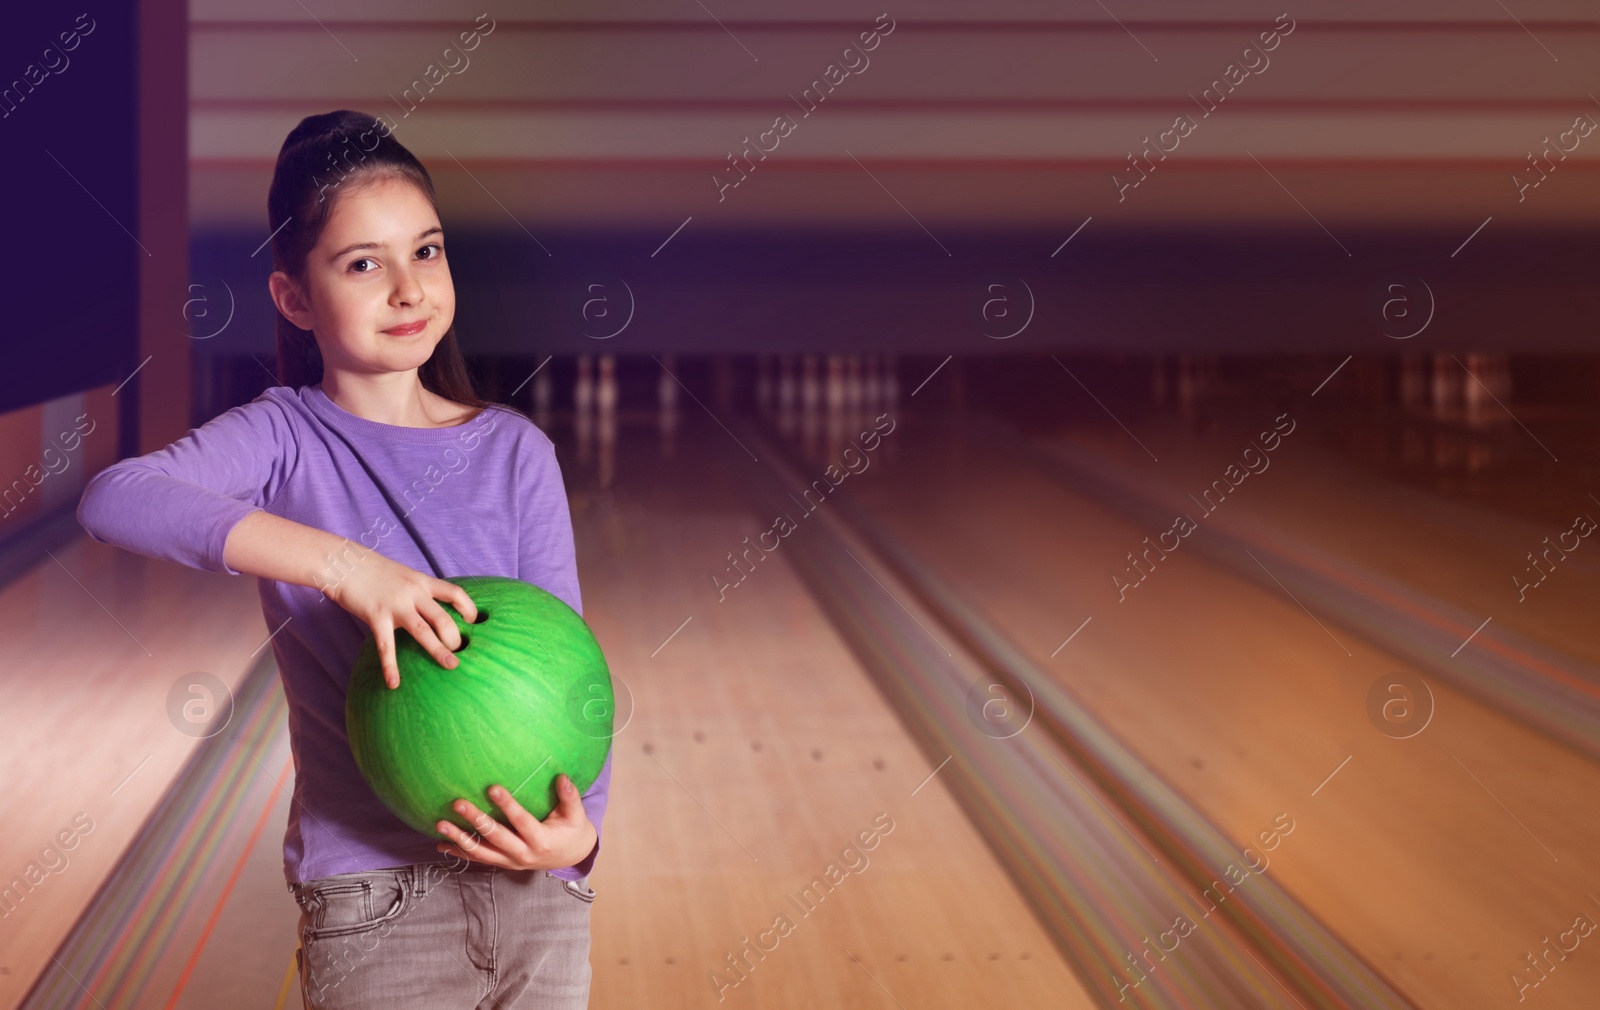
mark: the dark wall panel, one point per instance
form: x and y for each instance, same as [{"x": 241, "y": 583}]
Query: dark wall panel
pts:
[{"x": 68, "y": 147}]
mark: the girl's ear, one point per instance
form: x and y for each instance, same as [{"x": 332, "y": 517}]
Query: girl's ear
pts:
[{"x": 286, "y": 295}]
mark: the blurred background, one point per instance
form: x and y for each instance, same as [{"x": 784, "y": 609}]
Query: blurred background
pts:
[{"x": 1197, "y": 409}]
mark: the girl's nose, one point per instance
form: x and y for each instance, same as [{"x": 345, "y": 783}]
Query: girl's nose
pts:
[{"x": 407, "y": 287}]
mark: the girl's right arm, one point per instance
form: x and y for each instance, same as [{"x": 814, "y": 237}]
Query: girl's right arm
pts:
[
  {"x": 200, "y": 502},
  {"x": 384, "y": 593}
]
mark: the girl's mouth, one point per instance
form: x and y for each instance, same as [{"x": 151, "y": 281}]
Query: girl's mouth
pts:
[{"x": 408, "y": 329}]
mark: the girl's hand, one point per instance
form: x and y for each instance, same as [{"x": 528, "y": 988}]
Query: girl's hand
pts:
[
  {"x": 563, "y": 839},
  {"x": 387, "y": 595}
]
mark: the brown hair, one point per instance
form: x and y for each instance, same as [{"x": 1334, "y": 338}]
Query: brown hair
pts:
[{"x": 305, "y": 185}]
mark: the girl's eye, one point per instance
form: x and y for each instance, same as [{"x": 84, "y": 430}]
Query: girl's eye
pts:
[{"x": 368, "y": 259}]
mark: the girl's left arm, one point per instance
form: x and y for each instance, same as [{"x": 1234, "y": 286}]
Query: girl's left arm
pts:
[
  {"x": 547, "y": 557},
  {"x": 546, "y": 553}
]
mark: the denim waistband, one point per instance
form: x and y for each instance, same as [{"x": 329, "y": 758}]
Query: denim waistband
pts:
[{"x": 415, "y": 873}]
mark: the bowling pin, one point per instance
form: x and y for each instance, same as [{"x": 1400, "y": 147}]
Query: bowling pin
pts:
[
  {"x": 858, "y": 394},
  {"x": 541, "y": 394},
  {"x": 788, "y": 395},
  {"x": 583, "y": 391},
  {"x": 606, "y": 402},
  {"x": 855, "y": 392},
  {"x": 1475, "y": 390},
  {"x": 764, "y": 384},
  {"x": 667, "y": 400},
  {"x": 811, "y": 404},
  {"x": 606, "y": 386},
  {"x": 1447, "y": 388},
  {"x": 871, "y": 386},
  {"x": 582, "y": 404},
  {"x": 788, "y": 385},
  {"x": 836, "y": 404},
  {"x": 834, "y": 389}
]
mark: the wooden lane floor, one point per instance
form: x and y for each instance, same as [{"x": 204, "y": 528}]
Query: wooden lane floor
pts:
[
  {"x": 1507, "y": 668},
  {"x": 755, "y": 752},
  {"x": 99, "y": 643},
  {"x": 1322, "y": 496},
  {"x": 754, "y": 759},
  {"x": 1443, "y": 859}
]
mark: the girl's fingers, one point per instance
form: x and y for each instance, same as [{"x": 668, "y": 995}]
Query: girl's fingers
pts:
[
  {"x": 569, "y": 801},
  {"x": 442, "y": 625},
  {"x": 526, "y": 825},
  {"x": 424, "y": 634},
  {"x": 491, "y": 843},
  {"x": 383, "y": 635},
  {"x": 459, "y": 599},
  {"x": 467, "y": 846},
  {"x": 480, "y": 854}
]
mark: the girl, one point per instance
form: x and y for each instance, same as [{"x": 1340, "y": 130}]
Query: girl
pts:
[{"x": 368, "y": 474}]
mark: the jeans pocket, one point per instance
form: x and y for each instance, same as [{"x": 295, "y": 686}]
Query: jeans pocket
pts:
[
  {"x": 349, "y": 903},
  {"x": 577, "y": 888}
]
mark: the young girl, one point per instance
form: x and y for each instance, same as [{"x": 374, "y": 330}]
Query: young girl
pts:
[{"x": 371, "y": 473}]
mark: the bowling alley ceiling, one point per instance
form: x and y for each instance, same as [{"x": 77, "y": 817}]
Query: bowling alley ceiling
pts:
[{"x": 1005, "y": 115}]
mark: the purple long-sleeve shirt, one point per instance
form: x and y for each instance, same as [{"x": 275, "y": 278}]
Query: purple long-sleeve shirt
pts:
[{"x": 481, "y": 498}]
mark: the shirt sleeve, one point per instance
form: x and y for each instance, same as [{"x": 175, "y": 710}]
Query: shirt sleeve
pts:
[
  {"x": 594, "y": 806},
  {"x": 547, "y": 557},
  {"x": 546, "y": 554},
  {"x": 180, "y": 503}
]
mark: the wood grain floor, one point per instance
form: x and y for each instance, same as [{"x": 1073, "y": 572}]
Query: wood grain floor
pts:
[
  {"x": 1442, "y": 859},
  {"x": 753, "y": 753},
  {"x": 96, "y": 639}
]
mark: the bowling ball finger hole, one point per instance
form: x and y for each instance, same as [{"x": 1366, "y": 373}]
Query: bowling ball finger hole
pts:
[
  {"x": 483, "y": 615},
  {"x": 466, "y": 640}
]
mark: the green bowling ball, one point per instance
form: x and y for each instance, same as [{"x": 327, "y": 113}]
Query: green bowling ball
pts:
[{"x": 531, "y": 699}]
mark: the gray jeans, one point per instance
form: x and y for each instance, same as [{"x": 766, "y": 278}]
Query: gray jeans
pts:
[{"x": 436, "y": 935}]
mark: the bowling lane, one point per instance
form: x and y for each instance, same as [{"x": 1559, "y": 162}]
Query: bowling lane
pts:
[
  {"x": 753, "y": 751},
  {"x": 1442, "y": 859},
  {"x": 103, "y": 642},
  {"x": 1329, "y": 498}
]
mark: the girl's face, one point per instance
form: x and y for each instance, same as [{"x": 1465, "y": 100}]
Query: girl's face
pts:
[{"x": 379, "y": 265}]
